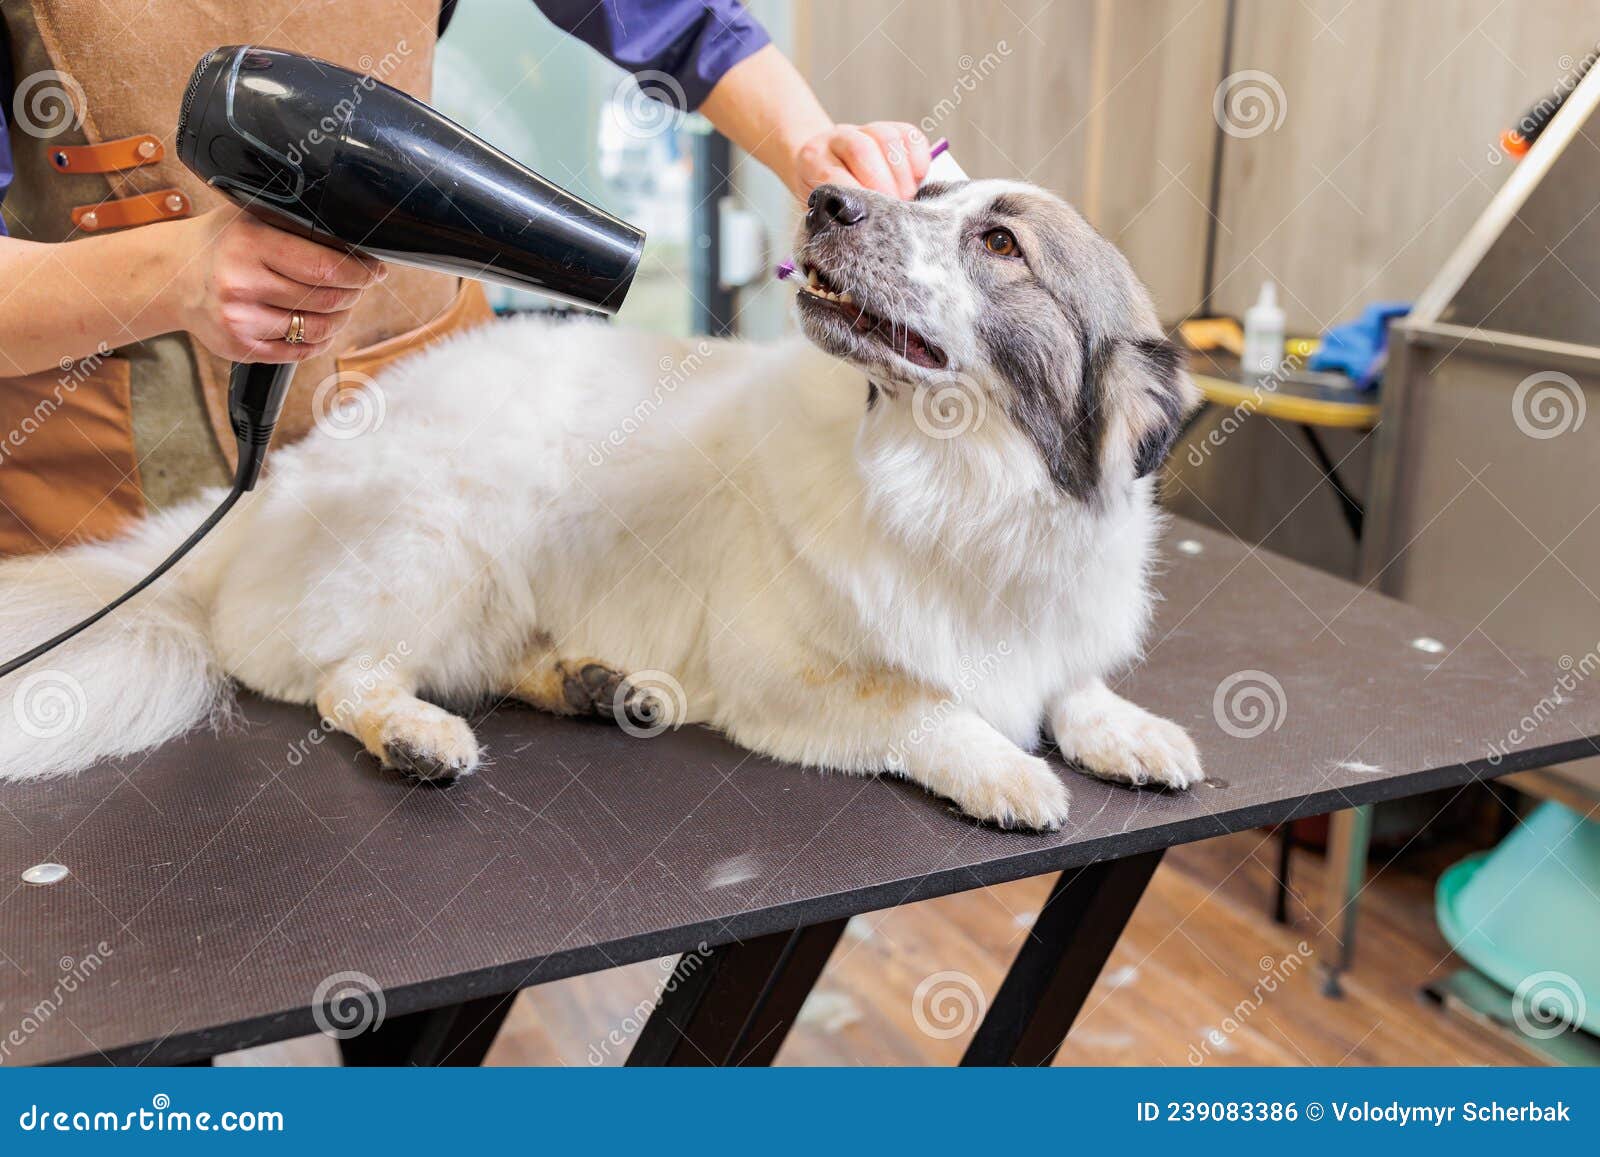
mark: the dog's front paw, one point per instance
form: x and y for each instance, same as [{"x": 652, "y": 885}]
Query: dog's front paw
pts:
[
  {"x": 1124, "y": 743},
  {"x": 428, "y": 743},
  {"x": 1019, "y": 791}
]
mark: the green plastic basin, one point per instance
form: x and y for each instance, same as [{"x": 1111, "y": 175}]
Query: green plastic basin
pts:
[{"x": 1527, "y": 915}]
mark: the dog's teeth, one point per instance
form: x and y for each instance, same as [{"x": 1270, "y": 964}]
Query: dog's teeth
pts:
[{"x": 813, "y": 285}]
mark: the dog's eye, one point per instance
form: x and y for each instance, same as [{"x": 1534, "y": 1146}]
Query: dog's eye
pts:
[{"x": 1001, "y": 243}]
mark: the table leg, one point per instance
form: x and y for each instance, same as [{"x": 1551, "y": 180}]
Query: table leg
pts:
[
  {"x": 1354, "y": 513},
  {"x": 1349, "y": 838},
  {"x": 1286, "y": 841},
  {"x": 735, "y": 1004},
  {"x": 456, "y": 1036},
  {"x": 1060, "y": 961}
]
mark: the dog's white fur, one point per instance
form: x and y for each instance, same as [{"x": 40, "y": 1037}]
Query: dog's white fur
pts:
[{"x": 825, "y": 582}]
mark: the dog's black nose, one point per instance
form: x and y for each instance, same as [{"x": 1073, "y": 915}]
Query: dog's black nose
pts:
[{"x": 835, "y": 205}]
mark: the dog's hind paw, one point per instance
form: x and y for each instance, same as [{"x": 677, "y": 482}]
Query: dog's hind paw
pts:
[
  {"x": 594, "y": 688},
  {"x": 590, "y": 688}
]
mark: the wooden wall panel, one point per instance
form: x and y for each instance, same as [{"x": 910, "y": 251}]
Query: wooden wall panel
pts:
[
  {"x": 1381, "y": 161},
  {"x": 1107, "y": 104},
  {"x": 1151, "y": 165},
  {"x": 1383, "y": 158},
  {"x": 1007, "y": 83}
]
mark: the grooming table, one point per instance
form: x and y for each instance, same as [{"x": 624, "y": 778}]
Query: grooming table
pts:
[
  {"x": 222, "y": 881},
  {"x": 1310, "y": 408}
]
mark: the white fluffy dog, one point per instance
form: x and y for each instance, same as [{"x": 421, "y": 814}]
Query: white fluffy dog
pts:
[{"x": 901, "y": 548}]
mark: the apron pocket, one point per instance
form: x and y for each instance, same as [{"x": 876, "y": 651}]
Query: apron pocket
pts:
[{"x": 68, "y": 472}]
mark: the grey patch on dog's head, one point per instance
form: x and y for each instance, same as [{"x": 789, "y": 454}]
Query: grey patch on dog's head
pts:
[
  {"x": 1066, "y": 426},
  {"x": 1092, "y": 381}
]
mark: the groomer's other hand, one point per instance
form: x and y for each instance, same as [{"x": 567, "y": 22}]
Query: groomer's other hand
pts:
[
  {"x": 241, "y": 279},
  {"x": 888, "y": 156}
]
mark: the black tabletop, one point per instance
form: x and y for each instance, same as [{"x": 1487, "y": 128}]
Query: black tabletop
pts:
[{"x": 216, "y": 885}]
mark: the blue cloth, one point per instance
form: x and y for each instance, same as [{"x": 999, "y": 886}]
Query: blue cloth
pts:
[
  {"x": 1356, "y": 348},
  {"x": 692, "y": 42}
]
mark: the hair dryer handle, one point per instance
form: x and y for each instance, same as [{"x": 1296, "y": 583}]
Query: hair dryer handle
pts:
[{"x": 255, "y": 399}]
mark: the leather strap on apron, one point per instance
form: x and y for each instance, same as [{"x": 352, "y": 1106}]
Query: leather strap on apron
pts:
[{"x": 154, "y": 417}]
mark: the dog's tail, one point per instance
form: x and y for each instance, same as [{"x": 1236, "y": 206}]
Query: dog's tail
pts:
[{"x": 137, "y": 678}]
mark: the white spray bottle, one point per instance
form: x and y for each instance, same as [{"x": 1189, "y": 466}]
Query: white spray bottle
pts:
[{"x": 1263, "y": 334}]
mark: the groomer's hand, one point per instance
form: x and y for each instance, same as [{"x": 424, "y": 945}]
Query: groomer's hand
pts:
[
  {"x": 765, "y": 106},
  {"x": 888, "y": 156},
  {"x": 240, "y": 280}
]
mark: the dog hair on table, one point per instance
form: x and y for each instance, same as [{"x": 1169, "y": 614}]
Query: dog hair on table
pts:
[{"x": 910, "y": 542}]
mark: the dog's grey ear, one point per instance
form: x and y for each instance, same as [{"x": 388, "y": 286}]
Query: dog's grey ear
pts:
[
  {"x": 1162, "y": 396},
  {"x": 1098, "y": 408}
]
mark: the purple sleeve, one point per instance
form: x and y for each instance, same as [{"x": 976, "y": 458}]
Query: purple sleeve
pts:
[
  {"x": 5, "y": 166},
  {"x": 694, "y": 42},
  {"x": 6, "y": 170}
]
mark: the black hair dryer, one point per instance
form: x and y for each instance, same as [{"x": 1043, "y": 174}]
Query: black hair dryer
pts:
[
  {"x": 342, "y": 159},
  {"x": 350, "y": 162}
]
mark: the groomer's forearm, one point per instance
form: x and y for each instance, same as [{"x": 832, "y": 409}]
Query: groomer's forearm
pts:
[
  {"x": 62, "y": 304},
  {"x": 763, "y": 105}
]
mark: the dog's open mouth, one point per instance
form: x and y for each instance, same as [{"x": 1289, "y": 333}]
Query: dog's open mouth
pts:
[{"x": 819, "y": 293}]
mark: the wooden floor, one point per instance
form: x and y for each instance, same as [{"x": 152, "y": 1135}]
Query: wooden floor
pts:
[{"x": 1202, "y": 976}]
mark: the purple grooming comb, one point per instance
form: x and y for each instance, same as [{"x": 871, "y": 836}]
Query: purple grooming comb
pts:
[{"x": 786, "y": 268}]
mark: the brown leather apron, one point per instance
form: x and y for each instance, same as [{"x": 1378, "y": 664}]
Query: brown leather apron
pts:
[{"x": 87, "y": 447}]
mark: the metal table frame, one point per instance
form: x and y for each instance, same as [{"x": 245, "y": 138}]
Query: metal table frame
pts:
[{"x": 734, "y": 1006}]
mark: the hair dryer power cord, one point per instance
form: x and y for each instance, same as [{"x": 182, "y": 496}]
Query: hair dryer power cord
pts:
[
  {"x": 255, "y": 399},
  {"x": 204, "y": 529}
]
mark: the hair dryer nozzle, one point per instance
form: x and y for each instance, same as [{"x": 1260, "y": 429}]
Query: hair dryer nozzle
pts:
[{"x": 346, "y": 160}]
